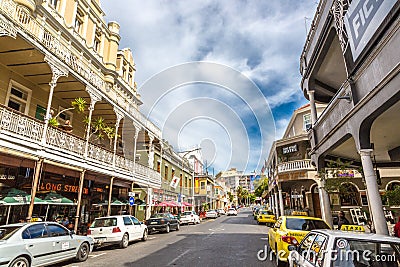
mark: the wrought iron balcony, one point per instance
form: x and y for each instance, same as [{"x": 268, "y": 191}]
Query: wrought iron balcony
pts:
[{"x": 28, "y": 131}]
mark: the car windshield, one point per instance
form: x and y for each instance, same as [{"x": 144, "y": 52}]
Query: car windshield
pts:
[
  {"x": 354, "y": 253},
  {"x": 187, "y": 213},
  {"x": 104, "y": 222},
  {"x": 266, "y": 212},
  {"x": 231, "y": 209},
  {"x": 158, "y": 215},
  {"x": 305, "y": 224},
  {"x": 7, "y": 231}
]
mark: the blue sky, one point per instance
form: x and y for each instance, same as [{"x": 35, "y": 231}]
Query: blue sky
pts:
[{"x": 240, "y": 96}]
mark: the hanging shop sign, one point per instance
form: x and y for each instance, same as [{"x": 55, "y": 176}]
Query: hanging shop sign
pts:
[
  {"x": 289, "y": 149},
  {"x": 363, "y": 19},
  {"x": 7, "y": 177},
  {"x": 62, "y": 188}
]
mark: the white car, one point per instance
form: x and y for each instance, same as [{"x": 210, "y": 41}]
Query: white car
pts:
[
  {"x": 221, "y": 212},
  {"x": 189, "y": 217},
  {"x": 211, "y": 214},
  {"x": 118, "y": 229},
  {"x": 40, "y": 244},
  {"x": 325, "y": 248},
  {"x": 232, "y": 212}
]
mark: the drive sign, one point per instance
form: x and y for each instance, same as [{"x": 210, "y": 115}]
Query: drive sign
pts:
[{"x": 131, "y": 201}]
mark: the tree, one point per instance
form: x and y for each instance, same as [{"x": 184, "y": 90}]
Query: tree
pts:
[
  {"x": 263, "y": 186},
  {"x": 78, "y": 104}
]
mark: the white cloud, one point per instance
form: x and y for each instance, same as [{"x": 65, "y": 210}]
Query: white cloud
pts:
[{"x": 261, "y": 39}]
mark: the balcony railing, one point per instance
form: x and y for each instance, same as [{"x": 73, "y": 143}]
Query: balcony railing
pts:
[
  {"x": 296, "y": 165},
  {"x": 20, "y": 126},
  {"x": 66, "y": 51}
]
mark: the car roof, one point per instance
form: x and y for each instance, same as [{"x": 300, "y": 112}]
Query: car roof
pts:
[
  {"x": 114, "y": 216},
  {"x": 301, "y": 217},
  {"x": 358, "y": 235}
]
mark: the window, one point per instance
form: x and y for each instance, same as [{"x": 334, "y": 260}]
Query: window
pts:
[
  {"x": 305, "y": 245},
  {"x": 349, "y": 195},
  {"x": 35, "y": 231},
  {"x": 97, "y": 40},
  {"x": 135, "y": 221},
  {"x": 64, "y": 116},
  {"x": 127, "y": 221},
  {"x": 79, "y": 21},
  {"x": 54, "y": 3},
  {"x": 307, "y": 122},
  {"x": 166, "y": 172},
  {"x": 57, "y": 230},
  {"x": 180, "y": 180},
  {"x": 202, "y": 185},
  {"x": 158, "y": 166},
  {"x": 18, "y": 97}
]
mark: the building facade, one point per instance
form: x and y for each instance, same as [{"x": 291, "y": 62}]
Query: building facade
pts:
[
  {"x": 69, "y": 112},
  {"x": 350, "y": 61}
]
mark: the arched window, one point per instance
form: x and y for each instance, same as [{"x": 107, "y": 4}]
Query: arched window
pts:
[
  {"x": 392, "y": 186},
  {"x": 349, "y": 195}
]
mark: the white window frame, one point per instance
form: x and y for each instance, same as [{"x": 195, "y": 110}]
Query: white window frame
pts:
[
  {"x": 69, "y": 114},
  {"x": 54, "y": 4},
  {"x": 18, "y": 86}
]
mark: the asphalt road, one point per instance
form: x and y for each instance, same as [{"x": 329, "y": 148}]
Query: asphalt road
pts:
[{"x": 226, "y": 241}]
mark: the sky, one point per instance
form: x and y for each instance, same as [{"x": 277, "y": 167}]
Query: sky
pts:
[{"x": 220, "y": 75}]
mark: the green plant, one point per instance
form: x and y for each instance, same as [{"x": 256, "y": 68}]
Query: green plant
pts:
[
  {"x": 78, "y": 104},
  {"x": 393, "y": 196},
  {"x": 100, "y": 129}
]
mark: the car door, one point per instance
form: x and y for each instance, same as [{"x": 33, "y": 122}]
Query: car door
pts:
[
  {"x": 39, "y": 244},
  {"x": 64, "y": 245},
  {"x": 138, "y": 227},
  {"x": 130, "y": 228},
  {"x": 173, "y": 221},
  {"x": 273, "y": 232}
]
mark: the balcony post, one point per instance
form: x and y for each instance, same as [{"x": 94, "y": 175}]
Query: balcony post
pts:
[
  {"x": 276, "y": 204},
  {"x": 109, "y": 197},
  {"x": 312, "y": 106},
  {"x": 151, "y": 151},
  {"x": 38, "y": 170},
  {"x": 94, "y": 97},
  {"x": 281, "y": 201},
  {"x": 326, "y": 211},
  {"x": 375, "y": 200},
  {"x": 58, "y": 71},
  {"x": 119, "y": 115},
  {"x": 78, "y": 207}
]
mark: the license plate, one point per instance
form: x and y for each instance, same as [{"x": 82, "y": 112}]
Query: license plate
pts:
[
  {"x": 99, "y": 240},
  {"x": 153, "y": 223}
]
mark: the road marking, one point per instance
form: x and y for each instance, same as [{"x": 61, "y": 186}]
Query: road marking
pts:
[
  {"x": 95, "y": 256},
  {"x": 150, "y": 238},
  {"x": 264, "y": 238},
  {"x": 180, "y": 256}
]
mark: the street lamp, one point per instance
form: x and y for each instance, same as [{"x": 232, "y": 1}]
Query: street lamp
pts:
[{"x": 181, "y": 182}]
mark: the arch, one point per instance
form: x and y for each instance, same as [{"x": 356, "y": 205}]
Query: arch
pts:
[
  {"x": 392, "y": 184},
  {"x": 349, "y": 194}
]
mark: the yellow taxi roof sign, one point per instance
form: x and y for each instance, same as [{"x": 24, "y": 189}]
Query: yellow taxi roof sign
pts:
[
  {"x": 352, "y": 228},
  {"x": 299, "y": 213}
]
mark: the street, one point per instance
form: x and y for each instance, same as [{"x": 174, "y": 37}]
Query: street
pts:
[{"x": 226, "y": 241}]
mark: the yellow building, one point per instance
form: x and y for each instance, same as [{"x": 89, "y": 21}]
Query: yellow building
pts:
[{"x": 54, "y": 54}]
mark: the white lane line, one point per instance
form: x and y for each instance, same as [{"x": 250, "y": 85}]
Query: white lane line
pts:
[
  {"x": 95, "y": 256},
  {"x": 180, "y": 256}
]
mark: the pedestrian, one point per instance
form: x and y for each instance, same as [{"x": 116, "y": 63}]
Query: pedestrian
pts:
[
  {"x": 342, "y": 220},
  {"x": 65, "y": 221},
  {"x": 397, "y": 228}
]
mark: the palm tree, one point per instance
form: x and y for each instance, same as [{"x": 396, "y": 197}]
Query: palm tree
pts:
[{"x": 78, "y": 104}]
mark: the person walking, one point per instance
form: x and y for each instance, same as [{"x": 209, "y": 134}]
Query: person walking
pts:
[
  {"x": 397, "y": 228},
  {"x": 342, "y": 220}
]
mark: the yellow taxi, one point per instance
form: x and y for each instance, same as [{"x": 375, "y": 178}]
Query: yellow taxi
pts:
[
  {"x": 266, "y": 216},
  {"x": 290, "y": 230}
]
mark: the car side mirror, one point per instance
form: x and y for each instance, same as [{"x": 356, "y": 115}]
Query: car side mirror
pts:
[
  {"x": 292, "y": 247},
  {"x": 72, "y": 232}
]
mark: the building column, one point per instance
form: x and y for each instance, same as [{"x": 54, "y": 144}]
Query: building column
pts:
[
  {"x": 109, "y": 197},
  {"x": 149, "y": 198},
  {"x": 276, "y": 205},
  {"x": 58, "y": 71},
  {"x": 78, "y": 207},
  {"x": 38, "y": 170},
  {"x": 94, "y": 97},
  {"x": 312, "y": 106},
  {"x": 137, "y": 129},
  {"x": 151, "y": 151},
  {"x": 375, "y": 201},
  {"x": 281, "y": 202},
  {"x": 325, "y": 203},
  {"x": 119, "y": 115}
]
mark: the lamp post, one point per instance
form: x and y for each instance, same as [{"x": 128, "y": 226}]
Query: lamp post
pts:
[{"x": 181, "y": 182}]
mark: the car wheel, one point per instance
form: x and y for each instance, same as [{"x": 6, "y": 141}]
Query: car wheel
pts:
[
  {"x": 20, "y": 262},
  {"x": 177, "y": 227},
  {"x": 125, "y": 241},
  {"x": 144, "y": 238},
  {"x": 83, "y": 252},
  {"x": 167, "y": 229}
]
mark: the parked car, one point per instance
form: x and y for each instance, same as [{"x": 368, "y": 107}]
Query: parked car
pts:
[
  {"x": 189, "y": 217},
  {"x": 267, "y": 217},
  {"x": 162, "y": 222},
  {"x": 348, "y": 249},
  {"x": 221, "y": 212},
  {"x": 290, "y": 230},
  {"x": 118, "y": 229},
  {"x": 211, "y": 214},
  {"x": 232, "y": 212},
  {"x": 41, "y": 243}
]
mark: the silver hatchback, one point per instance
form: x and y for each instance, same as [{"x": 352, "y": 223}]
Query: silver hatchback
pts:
[{"x": 41, "y": 243}]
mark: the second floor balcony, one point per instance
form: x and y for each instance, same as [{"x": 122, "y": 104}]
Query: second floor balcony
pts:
[{"x": 296, "y": 165}]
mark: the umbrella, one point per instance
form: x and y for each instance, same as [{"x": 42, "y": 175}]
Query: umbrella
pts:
[
  {"x": 166, "y": 204},
  {"x": 21, "y": 200},
  {"x": 57, "y": 199},
  {"x": 186, "y": 204},
  {"x": 12, "y": 192}
]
